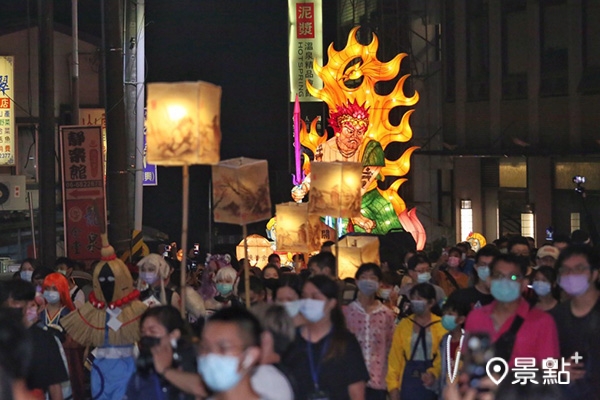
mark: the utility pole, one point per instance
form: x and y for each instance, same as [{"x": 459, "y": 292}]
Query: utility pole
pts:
[
  {"x": 133, "y": 81},
  {"x": 75, "y": 64},
  {"x": 117, "y": 173},
  {"x": 46, "y": 146}
]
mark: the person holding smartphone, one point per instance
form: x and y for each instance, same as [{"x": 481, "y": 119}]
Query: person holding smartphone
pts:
[{"x": 578, "y": 320}]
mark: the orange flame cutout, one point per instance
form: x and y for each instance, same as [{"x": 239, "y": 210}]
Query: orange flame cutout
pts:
[{"x": 335, "y": 92}]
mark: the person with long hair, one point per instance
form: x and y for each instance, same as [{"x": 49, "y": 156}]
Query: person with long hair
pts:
[
  {"x": 373, "y": 325},
  {"x": 152, "y": 283},
  {"x": 162, "y": 330},
  {"x": 325, "y": 358},
  {"x": 288, "y": 295},
  {"x": 414, "y": 362},
  {"x": 270, "y": 276},
  {"x": 544, "y": 284},
  {"x": 55, "y": 290}
]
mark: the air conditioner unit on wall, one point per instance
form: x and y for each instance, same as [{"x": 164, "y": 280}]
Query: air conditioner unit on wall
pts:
[{"x": 13, "y": 193}]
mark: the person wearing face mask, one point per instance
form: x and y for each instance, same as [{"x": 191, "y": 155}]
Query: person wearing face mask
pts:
[
  {"x": 270, "y": 275},
  {"x": 520, "y": 247},
  {"x": 546, "y": 255},
  {"x": 514, "y": 327},
  {"x": 257, "y": 290},
  {"x": 163, "y": 331},
  {"x": 153, "y": 280},
  {"x": 577, "y": 319},
  {"x": 544, "y": 286},
  {"x": 414, "y": 360},
  {"x": 419, "y": 269},
  {"x": 449, "y": 276},
  {"x": 55, "y": 291},
  {"x": 479, "y": 294},
  {"x": 229, "y": 352},
  {"x": 74, "y": 352},
  {"x": 325, "y": 358},
  {"x": 373, "y": 325},
  {"x": 271, "y": 380},
  {"x": 27, "y": 267},
  {"x": 46, "y": 371},
  {"x": 66, "y": 266},
  {"x": 288, "y": 296},
  {"x": 452, "y": 345},
  {"x": 224, "y": 280}
]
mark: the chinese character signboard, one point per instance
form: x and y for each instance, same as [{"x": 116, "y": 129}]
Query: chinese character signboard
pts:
[
  {"x": 150, "y": 178},
  {"x": 95, "y": 116},
  {"x": 84, "y": 203},
  {"x": 7, "y": 116},
  {"x": 306, "y": 45}
]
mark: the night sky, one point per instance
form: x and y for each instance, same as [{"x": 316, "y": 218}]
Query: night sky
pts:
[{"x": 241, "y": 46}]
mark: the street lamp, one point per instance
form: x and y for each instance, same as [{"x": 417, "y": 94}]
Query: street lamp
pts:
[
  {"x": 528, "y": 222},
  {"x": 466, "y": 219}
]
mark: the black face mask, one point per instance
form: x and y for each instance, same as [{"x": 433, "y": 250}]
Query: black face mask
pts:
[
  {"x": 107, "y": 283},
  {"x": 280, "y": 343},
  {"x": 271, "y": 283},
  {"x": 523, "y": 261}
]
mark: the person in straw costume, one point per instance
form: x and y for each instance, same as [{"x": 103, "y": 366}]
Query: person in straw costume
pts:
[{"x": 110, "y": 323}]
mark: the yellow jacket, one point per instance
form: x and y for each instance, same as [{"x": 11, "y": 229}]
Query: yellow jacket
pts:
[{"x": 400, "y": 351}]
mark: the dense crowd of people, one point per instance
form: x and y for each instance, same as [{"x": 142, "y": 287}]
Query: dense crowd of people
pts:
[{"x": 433, "y": 326}]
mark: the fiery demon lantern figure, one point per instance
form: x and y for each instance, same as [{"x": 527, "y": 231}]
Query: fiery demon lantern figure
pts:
[{"x": 362, "y": 129}]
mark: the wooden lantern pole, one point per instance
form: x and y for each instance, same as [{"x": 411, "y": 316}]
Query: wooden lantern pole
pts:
[
  {"x": 246, "y": 267},
  {"x": 184, "y": 234}
]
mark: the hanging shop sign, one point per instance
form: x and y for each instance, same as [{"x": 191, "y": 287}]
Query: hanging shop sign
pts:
[
  {"x": 305, "y": 46},
  {"x": 84, "y": 193},
  {"x": 7, "y": 111}
]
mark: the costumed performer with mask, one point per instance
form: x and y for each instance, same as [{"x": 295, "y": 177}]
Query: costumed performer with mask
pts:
[{"x": 109, "y": 322}]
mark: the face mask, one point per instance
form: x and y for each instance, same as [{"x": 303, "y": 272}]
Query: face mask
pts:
[
  {"x": 384, "y": 293},
  {"x": 574, "y": 285},
  {"x": 449, "y": 322},
  {"x": 418, "y": 306},
  {"x": 26, "y": 275},
  {"x": 541, "y": 288},
  {"x": 505, "y": 290},
  {"x": 219, "y": 372},
  {"x": 292, "y": 307},
  {"x": 51, "y": 296},
  {"x": 38, "y": 289},
  {"x": 483, "y": 272},
  {"x": 224, "y": 288},
  {"x": 31, "y": 314},
  {"x": 463, "y": 256},
  {"x": 423, "y": 277},
  {"x": 271, "y": 283},
  {"x": 313, "y": 310},
  {"x": 367, "y": 286},
  {"x": 504, "y": 251},
  {"x": 62, "y": 272},
  {"x": 149, "y": 277},
  {"x": 453, "y": 261}
]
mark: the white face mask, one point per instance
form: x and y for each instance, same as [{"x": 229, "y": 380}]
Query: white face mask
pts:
[
  {"x": 292, "y": 307},
  {"x": 149, "y": 277},
  {"x": 51, "y": 296},
  {"x": 313, "y": 310},
  {"x": 384, "y": 293}
]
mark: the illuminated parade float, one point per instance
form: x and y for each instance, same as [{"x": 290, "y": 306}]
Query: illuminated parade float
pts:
[{"x": 360, "y": 118}]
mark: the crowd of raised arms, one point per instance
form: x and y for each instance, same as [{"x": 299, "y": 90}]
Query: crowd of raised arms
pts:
[{"x": 506, "y": 321}]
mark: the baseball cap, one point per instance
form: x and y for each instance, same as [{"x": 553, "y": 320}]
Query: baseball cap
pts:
[{"x": 548, "y": 250}]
